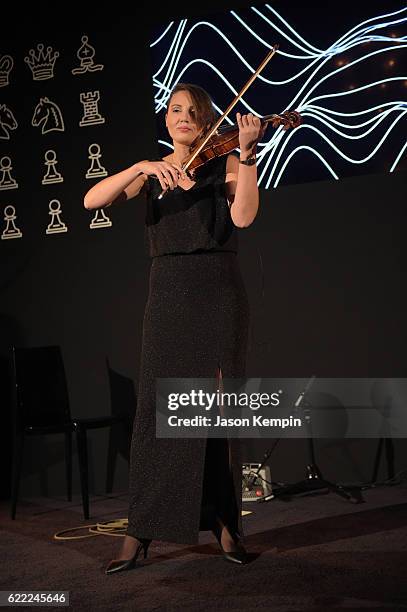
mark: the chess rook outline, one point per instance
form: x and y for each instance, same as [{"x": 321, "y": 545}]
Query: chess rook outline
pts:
[{"x": 91, "y": 114}]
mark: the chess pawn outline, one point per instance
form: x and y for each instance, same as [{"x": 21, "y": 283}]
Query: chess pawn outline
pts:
[
  {"x": 6, "y": 180},
  {"x": 96, "y": 169},
  {"x": 10, "y": 231},
  {"x": 56, "y": 226},
  {"x": 52, "y": 175},
  {"x": 100, "y": 220}
]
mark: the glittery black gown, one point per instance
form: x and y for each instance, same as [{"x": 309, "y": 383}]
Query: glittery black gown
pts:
[{"x": 196, "y": 319}]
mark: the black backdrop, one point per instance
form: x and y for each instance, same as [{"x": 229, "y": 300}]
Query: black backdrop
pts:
[{"x": 332, "y": 254}]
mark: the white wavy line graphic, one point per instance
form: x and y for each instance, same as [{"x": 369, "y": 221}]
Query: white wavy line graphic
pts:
[{"x": 316, "y": 81}]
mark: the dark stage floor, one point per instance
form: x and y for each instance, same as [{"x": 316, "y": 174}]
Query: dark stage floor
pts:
[{"x": 318, "y": 552}]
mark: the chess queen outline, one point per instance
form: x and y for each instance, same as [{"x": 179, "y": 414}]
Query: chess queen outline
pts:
[{"x": 195, "y": 324}]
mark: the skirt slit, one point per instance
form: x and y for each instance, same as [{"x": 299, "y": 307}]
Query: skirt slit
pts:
[{"x": 218, "y": 492}]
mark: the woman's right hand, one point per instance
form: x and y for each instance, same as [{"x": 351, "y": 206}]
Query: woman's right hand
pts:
[{"x": 167, "y": 173}]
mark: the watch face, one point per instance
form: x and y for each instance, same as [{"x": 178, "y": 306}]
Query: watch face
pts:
[{"x": 249, "y": 162}]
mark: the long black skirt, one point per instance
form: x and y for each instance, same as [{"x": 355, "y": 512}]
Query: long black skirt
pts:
[{"x": 195, "y": 324}]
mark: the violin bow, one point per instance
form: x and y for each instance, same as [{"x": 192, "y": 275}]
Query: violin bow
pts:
[
  {"x": 229, "y": 108},
  {"x": 232, "y": 104}
]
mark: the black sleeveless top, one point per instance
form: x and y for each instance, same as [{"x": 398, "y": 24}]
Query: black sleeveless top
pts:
[{"x": 193, "y": 220}]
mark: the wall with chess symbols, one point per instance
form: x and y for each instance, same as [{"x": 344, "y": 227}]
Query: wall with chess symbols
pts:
[
  {"x": 322, "y": 263},
  {"x": 50, "y": 125},
  {"x": 73, "y": 110}
]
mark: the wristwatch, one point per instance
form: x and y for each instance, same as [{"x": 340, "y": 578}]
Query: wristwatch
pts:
[{"x": 250, "y": 161}]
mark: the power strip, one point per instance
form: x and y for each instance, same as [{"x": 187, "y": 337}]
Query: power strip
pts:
[{"x": 255, "y": 490}]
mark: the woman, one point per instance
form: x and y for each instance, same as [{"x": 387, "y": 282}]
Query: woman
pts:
[{"x": 195, "y": 325}]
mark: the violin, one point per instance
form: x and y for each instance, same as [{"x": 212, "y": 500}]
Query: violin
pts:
[
  {"x": 218, "y": 142},
  {"x": 226, "y": 139}
]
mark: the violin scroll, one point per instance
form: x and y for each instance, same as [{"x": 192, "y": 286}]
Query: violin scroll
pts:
[{"x": 289, "y": 119}]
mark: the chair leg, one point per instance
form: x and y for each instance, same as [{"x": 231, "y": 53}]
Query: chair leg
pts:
[
  {"x": 377, "y": 460},
  {"x": 18, "y": 448},
  {"x": 68, "y": 464},
  {"x": 83, "y": 468},
  {"x": 111, "y": 458},
  {"x": 389, "y": 449}
]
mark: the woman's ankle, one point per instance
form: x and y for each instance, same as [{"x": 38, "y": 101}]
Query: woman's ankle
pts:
[
  {"x": 129, "y": 546},
  {"x": 225, "y": 537}
]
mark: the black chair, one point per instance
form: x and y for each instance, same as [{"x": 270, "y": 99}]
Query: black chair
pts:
[
  {"x": 41, "y": 406},
  {"x": 123, "y": 401}
]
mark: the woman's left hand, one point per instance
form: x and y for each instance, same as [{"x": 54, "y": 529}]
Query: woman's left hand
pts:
[{"x": 250, "y": 131}]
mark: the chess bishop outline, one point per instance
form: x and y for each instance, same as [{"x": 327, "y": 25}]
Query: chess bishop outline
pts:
[
  {"x": 6, "y": 66},
  {"x": 85, "y": 54}
]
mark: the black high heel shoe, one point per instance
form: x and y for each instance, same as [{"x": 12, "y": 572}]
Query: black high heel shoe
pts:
[
  {"x": 120, "y": 565},
  {"x": 236, "y": 556}
]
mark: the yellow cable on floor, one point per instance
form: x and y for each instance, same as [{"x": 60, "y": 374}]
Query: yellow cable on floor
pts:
[{"x": 115, "y": 528}]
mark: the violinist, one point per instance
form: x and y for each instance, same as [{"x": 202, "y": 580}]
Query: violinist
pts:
[{"x": 195, "y": 324}]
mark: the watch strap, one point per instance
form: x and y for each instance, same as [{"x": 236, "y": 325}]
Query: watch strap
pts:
[{"x": 250, "y": 161}]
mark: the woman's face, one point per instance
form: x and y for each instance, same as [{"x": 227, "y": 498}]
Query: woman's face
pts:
[{"x": 181, "y": 119}]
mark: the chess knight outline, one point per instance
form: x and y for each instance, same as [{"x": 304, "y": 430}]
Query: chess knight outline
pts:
[
  {"x": 49, "y": 114},
  {"x": 7, "y": 122}
]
